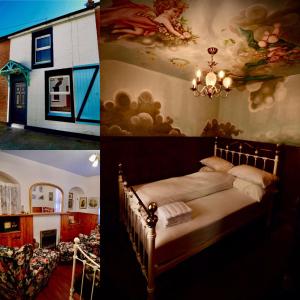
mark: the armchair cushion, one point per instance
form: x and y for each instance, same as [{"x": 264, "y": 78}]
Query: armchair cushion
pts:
[
  {"x": 24, "y": 271},
  {"x": 88, "y": 243},
  {"x": 15, "y": 271}
]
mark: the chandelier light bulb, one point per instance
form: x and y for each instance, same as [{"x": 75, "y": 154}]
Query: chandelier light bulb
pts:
[
  {"x": 92, "y": 158},
  {"x": 211, "y": 79},
  {"x": 221, "y": 74},
  {"x": 198, "y": 75},
  {"x": 194, "y": 83},
  {"x": 95, "y": 163},
  {"x": 227, "y": 81}
]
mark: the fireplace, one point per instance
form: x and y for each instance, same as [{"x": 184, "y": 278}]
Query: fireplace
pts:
[{"x": 48, "y": 238}]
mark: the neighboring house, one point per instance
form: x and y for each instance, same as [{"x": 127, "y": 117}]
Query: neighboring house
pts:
[
  {"x": 53, "y": 74},
  {"x": 4, "y": 57}
]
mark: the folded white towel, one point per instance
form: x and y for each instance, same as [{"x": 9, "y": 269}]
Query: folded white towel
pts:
[{"x": 174, "y": 213}]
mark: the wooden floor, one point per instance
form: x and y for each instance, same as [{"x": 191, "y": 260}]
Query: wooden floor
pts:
[{"x": 58, "y": 287}]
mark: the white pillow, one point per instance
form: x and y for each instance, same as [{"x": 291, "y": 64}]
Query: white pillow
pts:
[
  {"x": 250, "y": 189},
  {"x": 206, "y": 169},
  {"x": 217, "y": 163},
  {"x": 253, "y": 175}
]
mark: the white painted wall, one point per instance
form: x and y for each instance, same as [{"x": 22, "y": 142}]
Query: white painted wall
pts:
[
  {"x": 92, "y": 189},
  {"x": 189, "y": 113},
  {"x": 276, "y": 123},
  {"x": 74, "y": 43},
  {"x": 27, "y": 172}
]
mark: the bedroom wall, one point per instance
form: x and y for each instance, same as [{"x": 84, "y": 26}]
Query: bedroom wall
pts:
[
  {"x": 270, "y": 116},
  {"x": 189, "y": 114},
  {"x": 276, "y": 118},
  {"x": 258, "y": 45}
]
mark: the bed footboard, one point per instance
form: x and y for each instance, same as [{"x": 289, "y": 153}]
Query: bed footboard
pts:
[{"x": 140, "y": 223}]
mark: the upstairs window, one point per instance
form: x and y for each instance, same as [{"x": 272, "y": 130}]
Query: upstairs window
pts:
[{"x": 42, "y": 49}]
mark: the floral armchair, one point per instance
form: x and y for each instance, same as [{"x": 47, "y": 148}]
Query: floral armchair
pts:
[
  {"x": 24, "y": 271},
  {"x": 88, "y": 243}
]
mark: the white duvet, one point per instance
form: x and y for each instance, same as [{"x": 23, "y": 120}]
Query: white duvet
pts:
[{"x": 184, "y": 188}]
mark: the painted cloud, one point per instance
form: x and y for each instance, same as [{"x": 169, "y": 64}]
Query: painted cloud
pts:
[{"x": 124, "y": 116}]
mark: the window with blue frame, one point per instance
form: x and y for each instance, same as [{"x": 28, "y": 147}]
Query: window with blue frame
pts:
[{"x": 42, "y": 49}]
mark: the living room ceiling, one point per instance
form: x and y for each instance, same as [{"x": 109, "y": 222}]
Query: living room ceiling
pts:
[
  {"x": 257, "y": 41},
  {"x": 73, "y": 161}
]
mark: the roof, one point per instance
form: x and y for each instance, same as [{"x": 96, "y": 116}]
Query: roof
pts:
[{"x": 5, "y": 37}]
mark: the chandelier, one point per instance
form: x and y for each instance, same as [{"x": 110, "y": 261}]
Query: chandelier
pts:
[
  {"x": 213, "y": 84},
  {"x": 94, "y": 159}
]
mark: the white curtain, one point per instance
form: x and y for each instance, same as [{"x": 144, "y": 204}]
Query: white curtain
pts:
[{"x": 10, "y": 200}]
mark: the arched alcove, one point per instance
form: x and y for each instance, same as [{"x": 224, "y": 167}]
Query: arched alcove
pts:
[
  {"x": 10, "y": 194},
  {"x": 4, "y": 177},
  {"x": 73, "y": 198}
]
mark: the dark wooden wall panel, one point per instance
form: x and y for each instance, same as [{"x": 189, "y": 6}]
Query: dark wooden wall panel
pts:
[
  {"x": 290, "y": 183},
  {"x": 146, "y": 159},
  {"x": 84, "y": 223}
]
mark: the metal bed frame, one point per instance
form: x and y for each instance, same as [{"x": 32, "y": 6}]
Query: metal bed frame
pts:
[
  {"x": 141, "y": 222},
  {"x": 86, "y": 261}
]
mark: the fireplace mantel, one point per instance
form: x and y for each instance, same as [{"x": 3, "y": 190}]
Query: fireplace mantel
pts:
[
  {"x": 49, "y": 214},
  {"x": 35, "y": 214}
]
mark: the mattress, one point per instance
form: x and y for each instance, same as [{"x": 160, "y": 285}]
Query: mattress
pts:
[{"x": 212, "y": 216}]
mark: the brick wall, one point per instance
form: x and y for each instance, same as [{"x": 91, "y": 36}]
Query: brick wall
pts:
[{"x": 4, "y": 57}]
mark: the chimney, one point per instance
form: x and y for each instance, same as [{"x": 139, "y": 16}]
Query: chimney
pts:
[{"x": 90, "y": 4}]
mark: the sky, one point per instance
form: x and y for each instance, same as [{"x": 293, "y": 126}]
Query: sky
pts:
[{"x": 18, "y": 14}]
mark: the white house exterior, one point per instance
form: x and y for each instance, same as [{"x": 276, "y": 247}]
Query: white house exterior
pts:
[{"x": 63, "y": 87}]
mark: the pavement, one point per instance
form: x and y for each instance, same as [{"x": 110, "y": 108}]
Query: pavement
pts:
[{"x": 14, "y": 138}]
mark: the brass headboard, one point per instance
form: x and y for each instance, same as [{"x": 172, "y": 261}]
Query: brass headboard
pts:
[{"x": 240, "y": 152}]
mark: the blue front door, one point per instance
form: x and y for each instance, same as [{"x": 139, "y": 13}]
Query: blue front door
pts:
[{"x": 18, "y": 100}]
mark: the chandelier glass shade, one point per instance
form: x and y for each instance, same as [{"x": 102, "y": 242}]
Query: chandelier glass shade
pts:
[{"x": 211, "y": 84}]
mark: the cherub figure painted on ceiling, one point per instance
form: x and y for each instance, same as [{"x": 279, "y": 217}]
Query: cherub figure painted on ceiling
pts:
[{"x": 163, "y": 22}]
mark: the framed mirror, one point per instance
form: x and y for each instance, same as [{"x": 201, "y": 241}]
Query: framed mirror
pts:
[{"x": 45, "y": 198}]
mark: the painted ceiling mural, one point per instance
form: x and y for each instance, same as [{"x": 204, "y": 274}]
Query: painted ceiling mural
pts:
[{"x": 258, "y": 42}]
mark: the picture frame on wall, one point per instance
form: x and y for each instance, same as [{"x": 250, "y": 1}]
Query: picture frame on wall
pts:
[
  {"x": 50, "y": 196},
  {"x": 70, "y": 201},
  {"x": 82, "y": 202},
  {"x": 93, "y": 202}
]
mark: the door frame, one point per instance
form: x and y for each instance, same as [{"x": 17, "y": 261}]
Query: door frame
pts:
[{"x": 15, "y": 79}]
